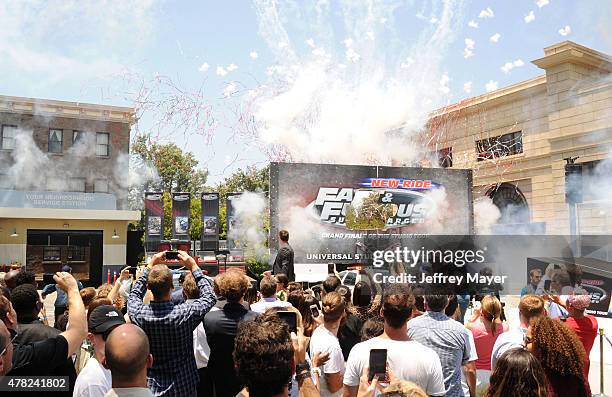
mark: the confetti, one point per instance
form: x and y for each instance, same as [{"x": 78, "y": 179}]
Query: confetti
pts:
[
  {"x": 203, "y": 67},
  {"x": 487, "y": 13},
  {"x": 495, "y": 38},
  {"x": 529, "y": 17},
  {"x": 473, "y": 24},
  {"x": 491, "y": 86},
  {"x": 221, "y": 71},
  {"x": 565, "y": 31}
]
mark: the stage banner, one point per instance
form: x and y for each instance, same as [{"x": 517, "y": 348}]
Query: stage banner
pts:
[
  {"x": 231, "y": 220},
  {"x": 180, "y": 216},
  {"x": 210, "y": 222},
  {"x": 154, "y": 219},
  {"x": 342, "y": 213}
]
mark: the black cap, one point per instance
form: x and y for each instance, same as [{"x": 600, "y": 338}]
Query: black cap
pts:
[{"x": 104, "y": 318}]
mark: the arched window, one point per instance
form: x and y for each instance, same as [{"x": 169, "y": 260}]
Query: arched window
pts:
[{"x": 511, "y": 203}]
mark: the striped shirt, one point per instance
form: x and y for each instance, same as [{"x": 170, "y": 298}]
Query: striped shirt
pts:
[
  {"x": 170, "y": 331},
  {"x": 448, "y": 338}
]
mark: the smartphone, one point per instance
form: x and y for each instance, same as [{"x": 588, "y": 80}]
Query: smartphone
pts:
[
  {"x": 171, "y": 255},
  {"x": 314, "y": 310},
  {"x": 547, "y": 285},
  {"x": 290, "y": 318},
  {"x": 378, "y": 364}
]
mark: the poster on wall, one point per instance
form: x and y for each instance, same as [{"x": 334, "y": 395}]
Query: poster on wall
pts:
[
  {"x": 154, "y": 217},
  {"x": 342, "y": 213},
  {"x": 210, "y": 221},
  {"x": 180, "y": 216},
  {"x": 231, "y": 220}
]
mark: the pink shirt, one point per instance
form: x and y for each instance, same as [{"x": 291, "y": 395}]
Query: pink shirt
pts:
[{"x": 484, "y": 340}]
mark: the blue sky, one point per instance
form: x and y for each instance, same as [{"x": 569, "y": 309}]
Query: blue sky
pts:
[{"x": 85, "y": 50}]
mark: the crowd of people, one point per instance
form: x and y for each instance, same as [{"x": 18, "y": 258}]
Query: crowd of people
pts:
[{"x": 227, "y": 337}]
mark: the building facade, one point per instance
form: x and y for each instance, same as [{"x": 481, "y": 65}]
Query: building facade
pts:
[
  {"x": 517, "y": 140},
  {"x": 63, "y": 185}
]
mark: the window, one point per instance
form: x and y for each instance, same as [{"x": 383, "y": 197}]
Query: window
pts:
[
  {"x": 102, "y": 144},
  {"x": 499, "y": 146},
  {"x": 56, "y": 138},
  {"x": 55, "y": 184},
  {"x": 76, "y": 185},
  {"x": 7, "y": 137},
  {"x": 77, "y": 136},
  {"x": 52, "y": 254},
  {"x": 5, "y": 183},
  {"x": 75, "y": 253},
  {"x": 101, "y": 186},
  {"x": 445, "y": 157}
]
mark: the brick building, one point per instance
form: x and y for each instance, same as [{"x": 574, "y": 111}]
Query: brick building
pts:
[
  {"x": 63, "y": 185},
  {"x": 516, "y": 139}
]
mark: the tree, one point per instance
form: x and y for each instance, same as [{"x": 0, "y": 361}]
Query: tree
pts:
[
  {"x": 251, "y": 179},
  {"x": 177, "y": 169}
]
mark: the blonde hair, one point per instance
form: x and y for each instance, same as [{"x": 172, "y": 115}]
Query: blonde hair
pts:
[
  {"x": 405, "y": 389},
  {"x": 491, "y": 310}
]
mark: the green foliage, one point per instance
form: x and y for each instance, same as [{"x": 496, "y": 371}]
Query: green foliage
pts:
[
  {"x": 167, "y": 216},
  {"x": 251, "y": 179},
  {"x": 257, "y": 266},
  {"x": 177, "y": 169},
  {"x": 369, "y": 215},
  {"x": 195, "y": 229},
  {"x": 222, "y": 223}
]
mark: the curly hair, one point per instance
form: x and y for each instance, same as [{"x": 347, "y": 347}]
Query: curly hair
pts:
[
  {"x": 263, "y": 355},
  {"x": 233, "y": 285},
  {"x": 518, "y": 373},
  {"x": 557, "y": 347},
  {"x": 403, "y": 388}
]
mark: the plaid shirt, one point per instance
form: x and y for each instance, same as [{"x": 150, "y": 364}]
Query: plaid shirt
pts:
[
  {"x": 170, "y": 331},
  {"x": 449, "y": 339}
]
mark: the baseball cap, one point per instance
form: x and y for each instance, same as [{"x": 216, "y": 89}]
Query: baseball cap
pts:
[
  {"x": 66, "y": 269},
  {"x": 103, "y": 318}
]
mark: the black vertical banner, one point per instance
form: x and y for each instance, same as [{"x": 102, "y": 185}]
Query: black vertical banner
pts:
[
  {"x": 154, "y": 219},
  {"x": 180, "y": 216},
  {"x": 210, "y": 222},
  {"x": 230, "y": 219}
]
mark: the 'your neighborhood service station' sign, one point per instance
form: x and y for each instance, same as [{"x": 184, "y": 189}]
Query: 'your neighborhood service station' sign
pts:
[{"x": 57, "y": 200}]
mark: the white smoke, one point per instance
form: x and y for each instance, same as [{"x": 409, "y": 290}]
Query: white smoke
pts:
[
  {"x": 30, "y": 168},
  {"x": 248, "y": 229},
  {"x": 320, "y": 108},
  {"x": 486, "y": 214}
]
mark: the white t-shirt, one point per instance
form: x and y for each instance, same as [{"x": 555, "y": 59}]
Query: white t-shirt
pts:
[
  {"x": 93, "y": 381},
  {"x": 266, "y": 303},
  {"x": 323, "y": 340},
  {"x": 409, "y": 360},
  {"x": 201, "y": 350},
  {"x": 507, "y": 340},
  {"x": 473, "y": 357}
]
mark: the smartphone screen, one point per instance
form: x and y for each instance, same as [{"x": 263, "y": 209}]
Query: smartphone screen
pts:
[
  {"x": 171, "y": 255},
  {"x": 547, "y": 285},
  {"x": 290, "y": 318},
  {"x": 378, "y": 364},
  {"x": 314, "y": 310}
]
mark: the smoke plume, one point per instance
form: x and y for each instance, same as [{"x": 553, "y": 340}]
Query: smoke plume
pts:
[{"x": 248, "y": 230}]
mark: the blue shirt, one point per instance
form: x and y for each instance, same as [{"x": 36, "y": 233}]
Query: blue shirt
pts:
[
  {"x": 170, "y": 331},
  {"x": 449, "y": 339},
  {"x": 62, "y": 298}
]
